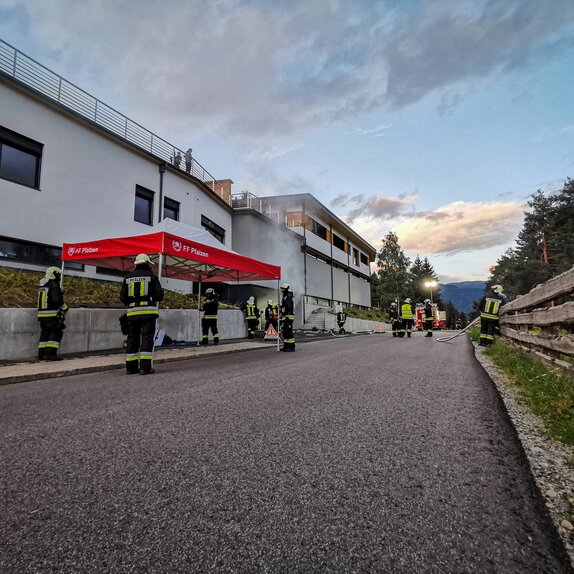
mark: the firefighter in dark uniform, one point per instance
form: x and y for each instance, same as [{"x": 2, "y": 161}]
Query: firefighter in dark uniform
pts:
[
  {"x": 271, "y": 315},
  {"x": 489, "y": 314},
  {"x": 141, "y": 292},
  {"x": 251, "y": 316},
  {"x": 407, "y": 317},
  {"x": 395, "y": 320},
  {"x": 209, "y": 320},
  {"x": 429, "y": 319},
  {"x": 341, "y": 320},
  {"x": 287, "y": 318},
  {"x": 51, "y": 313}
]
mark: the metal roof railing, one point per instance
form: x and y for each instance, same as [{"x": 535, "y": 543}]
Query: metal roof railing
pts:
[
  {"x": 247, "y": 200},
  {"x": 40, "y": 79}
]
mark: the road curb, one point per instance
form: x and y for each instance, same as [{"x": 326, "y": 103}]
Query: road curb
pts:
[
  {"x": 113, "y": 365},
  {"x": 549, "y": 460}
]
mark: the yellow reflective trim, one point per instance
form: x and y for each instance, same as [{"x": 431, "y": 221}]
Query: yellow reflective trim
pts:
[{"x": 134, "y": 313}]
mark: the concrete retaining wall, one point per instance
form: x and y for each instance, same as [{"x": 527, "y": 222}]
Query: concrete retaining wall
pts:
[
  {"x": 99, "y": 330},
  {"x": 354, "y": 325}
]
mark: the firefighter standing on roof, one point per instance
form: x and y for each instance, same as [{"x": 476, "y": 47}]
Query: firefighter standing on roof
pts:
[
  {"x": 407, "y": 317},
  {"x": 429, "y": 319},
  {"x": 51, "y": 313},
  {"x": 209, "y": 320},
  {"x": 489, "y": 314},
  {"x": 141, "y": 292},
  {"x": 287, "y": 318},
  {"x": 251, "y": 316},
  {"x": 271, "y": 315}
]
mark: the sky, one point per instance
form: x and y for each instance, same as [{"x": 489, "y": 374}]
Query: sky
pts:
[{"x": 435, "y": 119}]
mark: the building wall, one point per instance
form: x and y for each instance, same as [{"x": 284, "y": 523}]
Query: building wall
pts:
[{"x": 88, "y": 181}]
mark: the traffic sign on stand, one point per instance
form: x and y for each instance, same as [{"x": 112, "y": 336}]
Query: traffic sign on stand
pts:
[
  {"x": 271, "y": 334},
  {"x": 379, "y": 328}
]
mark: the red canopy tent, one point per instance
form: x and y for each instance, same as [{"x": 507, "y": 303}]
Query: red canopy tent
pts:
[{"x": 180, "y": 252}]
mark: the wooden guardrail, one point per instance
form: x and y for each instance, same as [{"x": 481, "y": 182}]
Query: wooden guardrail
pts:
[{"x": 543, "y": 319}]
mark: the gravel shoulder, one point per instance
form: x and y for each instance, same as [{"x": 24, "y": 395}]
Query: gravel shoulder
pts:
[{"x": 551, "y": 462}]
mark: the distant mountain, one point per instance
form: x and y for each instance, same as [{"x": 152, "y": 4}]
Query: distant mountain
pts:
[{"x": 462, "y": 295}]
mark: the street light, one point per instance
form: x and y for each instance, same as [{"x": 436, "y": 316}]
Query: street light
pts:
[{"x": 430, "y": 285}]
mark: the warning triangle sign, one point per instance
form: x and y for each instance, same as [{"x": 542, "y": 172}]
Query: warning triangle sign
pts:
[
  {"x": 378, "y": 328},
  {"x": 271, "y": 334}
]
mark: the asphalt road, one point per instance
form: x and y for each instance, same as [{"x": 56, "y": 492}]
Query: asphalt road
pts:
[{"x": 366, "y": 454}]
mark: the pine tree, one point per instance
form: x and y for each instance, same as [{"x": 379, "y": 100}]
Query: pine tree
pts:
[{"x": 393, "y": 272}]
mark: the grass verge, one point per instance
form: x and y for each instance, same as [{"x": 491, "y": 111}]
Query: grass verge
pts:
[{"x": 546, "y": 392}]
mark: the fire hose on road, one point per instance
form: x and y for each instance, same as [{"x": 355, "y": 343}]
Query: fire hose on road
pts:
[{"x": 450, "y": 337}]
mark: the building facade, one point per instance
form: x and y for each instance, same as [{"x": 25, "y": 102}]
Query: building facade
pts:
[{"x": 73, "y": 169}]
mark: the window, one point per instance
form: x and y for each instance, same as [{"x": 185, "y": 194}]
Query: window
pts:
[
  {"x": 20, "y": 158},
  {"x": 318, "y": 229},
  {"x": 74, "y": 266},
  {"x": 355, "y": 257},
  {"x": 29, "y": 252},
  {"x": 144, "y": 205},
  {"x": 171, "y": 209},
  {"x": 215, "y": 230},
  {"x": 294, "y": 219},
  {"x": 364, "y": 259},
  {"x": 338, "y": 242},
  {"x": 112, "y": 272}
]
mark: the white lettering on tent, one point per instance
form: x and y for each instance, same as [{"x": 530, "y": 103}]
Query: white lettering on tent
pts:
[
  {"x": 82, "y": 250},
  {"x": 194, "y": 251}
]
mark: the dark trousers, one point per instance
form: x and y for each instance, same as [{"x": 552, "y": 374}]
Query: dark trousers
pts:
[
  {"x": 288, "y": 337},
  {"x": 407, "y": 326},
  {"x": 139, "y": 351},
  {"x": 271, "y": 322},
  {"x": 252, "y": 325},
  {"x": 428, "y": 326},
  {"x": 51, "y": 334},
  {"x": 341, "y": 327},
  {"x": 487, "y": 330},
  {"x": 207, "y": 324},
  {"x": 395, "y": 327}
]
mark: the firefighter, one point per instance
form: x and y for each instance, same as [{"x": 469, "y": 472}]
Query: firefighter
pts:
[
  {"x": 251, "y": 316},
  {"x": 271, "y": 315},
  {"x": 429, "y": 319},
  {"x": 489, "y": 310},
  {"x": 395, "y": 321},
  {"x": 209, "y": 320},
  {"x": 51, "y": 313},
  {"x": 287, "y": 318},
  {"x": 407, "y": 317},
  {"x": 141, "y": 292},
  {"x": 341, "y": 320}
]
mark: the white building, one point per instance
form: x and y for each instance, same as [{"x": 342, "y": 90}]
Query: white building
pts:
[{"x": 73, "y": 169}]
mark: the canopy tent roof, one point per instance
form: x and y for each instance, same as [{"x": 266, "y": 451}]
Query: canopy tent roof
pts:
[{"x": 190, "y": 254}]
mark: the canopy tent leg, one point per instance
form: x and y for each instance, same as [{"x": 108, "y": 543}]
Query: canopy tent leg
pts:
[
  {"x": 279, "y": 329},
  {"x": 160, "y": 265},
  {"x": 198, "y": 310},
  {"x": 62, "y": 277}
]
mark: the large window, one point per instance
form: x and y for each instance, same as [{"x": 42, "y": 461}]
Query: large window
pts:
[
  {"x": 338, "y": 242},
  {"x": 171, "y": 209},
  {"x": 364, "y": 259},
  {"x": 144, "y": 205},
  {"x": 294, "y": 219},
  {"x": 34, "y": 253},
  {"x": 355, "y": 257},
  {"x": 215, "y": 230},
  {"x": 318, "y": 229},
  {"x": 20, "y": 158}
]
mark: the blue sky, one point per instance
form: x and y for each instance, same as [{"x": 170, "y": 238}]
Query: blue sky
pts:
[{"x": 435, "y": 119}]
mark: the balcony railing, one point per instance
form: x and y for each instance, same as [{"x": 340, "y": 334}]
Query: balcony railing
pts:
[
  {"x": 246, "y": 200},
  {"x": 40, "y": 79}
]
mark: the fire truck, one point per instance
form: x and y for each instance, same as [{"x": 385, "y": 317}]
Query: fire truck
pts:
[{"x": 439, "y": 317}]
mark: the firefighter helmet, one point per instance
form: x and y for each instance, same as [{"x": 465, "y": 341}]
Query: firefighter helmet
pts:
[
  {"x": 285, "y": 287},
  {"x": 427, "y": 301},
  {"x": 407, "y": 300},
  {"x": 51, "y": 272},
  {"x": 142, "y": 259},
  {"x": 251, "y": 300},
  {"x": 269, "y": 301},
  {"x": 497, "y": 288},
  {"x": 393, "y": 304},
  {"x": 210, "y": 292}
]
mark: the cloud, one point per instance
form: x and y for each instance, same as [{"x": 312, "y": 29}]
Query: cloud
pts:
[
  {"x": 247, "y": 67},
  {"x": 266, "y": 154},
  {"x": 454, "y": 228},
  {"x": 377, "y": 132},
  {"x": 372, "y": 207}
]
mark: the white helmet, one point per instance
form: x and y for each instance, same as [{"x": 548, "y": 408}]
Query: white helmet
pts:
[
  {"x": 209, "y": 291},
  {"x": 285, "y": 287},
  {"x": 269, "y": 301},
  {"x": 52, "y": 271},
  {"x": 407, "y": 300},
  {"x": 393, "y": 304},
  {"x": 497, "y": 288},
  {"x": 142, "y": 258},
  {"x": 427, "y": 301},
  {"x": 251, "y": 300}
]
